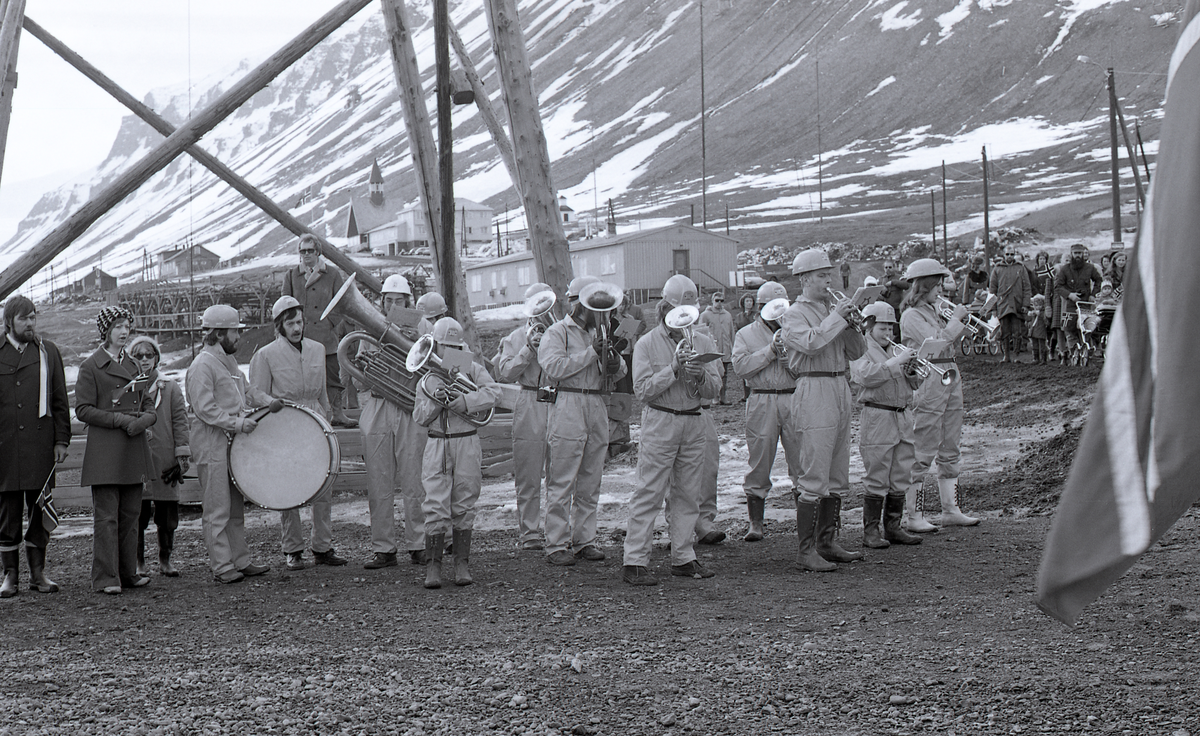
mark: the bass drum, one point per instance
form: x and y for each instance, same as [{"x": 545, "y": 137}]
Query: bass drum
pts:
[{"x": 290, "y": 458}]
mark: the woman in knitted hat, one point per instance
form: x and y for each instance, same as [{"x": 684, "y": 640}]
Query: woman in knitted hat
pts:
[
  {"x": 170, "y": 452},
  {"x": 112, "y": 398}
]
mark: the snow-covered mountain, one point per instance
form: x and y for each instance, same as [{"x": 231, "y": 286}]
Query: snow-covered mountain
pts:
[{"x": 903, "y": 85}]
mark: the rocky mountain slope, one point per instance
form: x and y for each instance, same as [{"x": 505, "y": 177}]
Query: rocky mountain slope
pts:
[{"x": 881, "y": 92}]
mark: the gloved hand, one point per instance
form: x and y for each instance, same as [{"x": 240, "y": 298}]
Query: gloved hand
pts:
[
  {"x": 173, "y": 475},
  {"x": 140, "y": 423},
  {"x": 184, "y": 463},
  {"x": 275, "y": 405},
  {"x": 613, "y": 366}
]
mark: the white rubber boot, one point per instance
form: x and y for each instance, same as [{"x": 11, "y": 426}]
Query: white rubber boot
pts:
[
  {"x": 914, "y": 518},
  {"x": 951, "y": 516}
]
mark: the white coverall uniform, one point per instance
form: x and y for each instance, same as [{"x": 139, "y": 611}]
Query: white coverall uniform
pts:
[
  {"x": 217, "y": 393},
  {"x": 451, "y": 468},
  {"x": 769, "y": 408},
  {"x": 280, "y": 370},
  {"x": 937, "y": 409},
  {"x": 577, "y": 430},
  {"x": 885, "y": 434},
  {"x": 819, "y": 347},
  {"x": 517, "y": 363},
  {"x": 672, "y": 446}
]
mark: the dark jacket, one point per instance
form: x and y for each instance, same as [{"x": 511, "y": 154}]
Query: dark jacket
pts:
[
  {"x": 1083, "y": 281},
  {"x": 1010, "y": 284},
  {"x": 314, "y": 298},
  {"x": 103, "y": 393},
  {"x": 26, "y": 440},
  {"x": 168, "y": 440}
]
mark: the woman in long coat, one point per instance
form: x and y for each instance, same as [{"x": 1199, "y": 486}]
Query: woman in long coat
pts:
[
  {"x": 170, "y": 451},
  {"x": 111, "y": 398}
]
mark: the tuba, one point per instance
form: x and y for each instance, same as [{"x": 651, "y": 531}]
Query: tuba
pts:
[
  {"x": 537, "y": 310},
  {"x": 602, "y": 298},
  {"x": 422, "y": 361},
  {"x": 771, "y": 312},
  {"x": 381, "y": 367}
]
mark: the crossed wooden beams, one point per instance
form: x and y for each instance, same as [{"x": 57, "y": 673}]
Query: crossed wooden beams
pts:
[{"x": 178, "y": 140}]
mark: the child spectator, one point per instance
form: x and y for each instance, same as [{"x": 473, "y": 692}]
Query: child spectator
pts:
[{"x": 1035, "y": 323}]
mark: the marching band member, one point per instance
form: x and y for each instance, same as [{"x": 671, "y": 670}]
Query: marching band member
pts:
[
  {"x": 761, "y": 361},
  {"x": 313, "y": 284},
  {"x": 393, "y": 445},
  {"x": 219, "y": 395},
  {"x": 885, "y": 438},
  {"x": 293, "y": 368},
  {"x": 517, "y": 363},
  {"x": 170, "y": 452},
  {"x": 433, "y": 305},
  {"x": 937, "y": 409},
  {"x": 111, "y": 398},
  {"x": 451, "y": 469},
  {"x": 819, "y": 348},
  {"x": 35, "y": 432},
  {"x": 672, "y": 446},
  {"x": 572, "y": 356}
]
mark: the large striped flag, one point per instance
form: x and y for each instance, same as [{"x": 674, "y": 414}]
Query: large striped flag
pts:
[{"x": 1138, "y": 465}]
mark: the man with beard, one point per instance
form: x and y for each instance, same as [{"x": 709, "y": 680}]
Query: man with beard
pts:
[
  {"x": 1010, "y": 284},
  {"x": 293, "y": 368},
  {"x": 35, "y": 431},
  {"x": 1075, "y": 282},
  {"x": 219, "y": 396}
]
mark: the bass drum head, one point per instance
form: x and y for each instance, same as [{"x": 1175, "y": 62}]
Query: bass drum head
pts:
[{"x": 286, "y": 461}]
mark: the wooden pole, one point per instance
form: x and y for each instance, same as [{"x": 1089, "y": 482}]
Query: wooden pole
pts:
[
  {"x": 703, "y": 132},
  {"x": 178, "y": 142},
  {"x": 945, "y": 226},
  {"x": 441, "y": 44},
  {"x": 210, "y": 162},
  {"x": 1137, "y": 130},
  {"x": 1137, "y": 177},
  {"x": 529, "y": 146},
  {"x": 987, "y": 234},
  {"x": 10, "y": 40},
  {"x": 933, "y": 211},
  {"x": 1116, "y": 178},
  {"x": 486, "y": 111},
  {"x": 424, "y": 153}
]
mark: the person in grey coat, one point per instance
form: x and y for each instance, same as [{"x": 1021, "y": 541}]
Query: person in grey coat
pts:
[{"x": 111, "y": 397}]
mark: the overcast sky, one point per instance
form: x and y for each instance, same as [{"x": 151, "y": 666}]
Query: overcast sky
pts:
[{"x": 64, "y": 124}]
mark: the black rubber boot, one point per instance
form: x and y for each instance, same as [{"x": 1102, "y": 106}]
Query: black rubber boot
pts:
[
  {"x": 36, "y": 557},
  {"x": 12, "y": 572},
  {"x": 166, "y": 545},
  {"x": 829, "y": 516},
  {"x": 434, "y": 543},
  {"x": 462, "y": 557},
  {"x": 893, "y": 514},
  {"x": 872, "y": 519},
  {"x": 806, "y": 530},
  {"x": 756, "y": 508}
]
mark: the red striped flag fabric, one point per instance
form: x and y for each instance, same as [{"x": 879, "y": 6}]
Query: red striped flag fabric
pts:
[
  {"x": 45, "y": 502},
  {"x": 1138, "y": 464}
]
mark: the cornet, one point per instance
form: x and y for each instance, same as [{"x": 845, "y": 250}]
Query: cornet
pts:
[
  {"x": 771, "y": 312},
  {"x": 923, "y": 368},
  {"x": 537, "y": 311},
  {"x": 855, "y": 316},
  {"x": 974, "y": 325}
]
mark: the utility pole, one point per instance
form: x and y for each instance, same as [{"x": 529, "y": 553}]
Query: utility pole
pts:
[
  {"x": 703, "y": 130},
  {"x": 1116, "y": 184},
  {"x": 987, "y": 235},
  {"x": 933, "y": 211},
  {"x": 945, "y": 226},
  {"x": 441, "y": 33},
  {"x": 820, "y": 174}
]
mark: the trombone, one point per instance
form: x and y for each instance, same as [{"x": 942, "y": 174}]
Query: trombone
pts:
[
  {"x": 923, "y": 368},
  {"x": 855, "y": 317},
  {"x": 422, "y": 361},
  {"x": 771, "y": 312},
  {"x": 976, "y": 326}
]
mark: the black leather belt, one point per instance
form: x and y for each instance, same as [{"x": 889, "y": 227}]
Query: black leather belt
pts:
[
  {"x": 584, "y": 391},
  {"x": 885, "y": 407},
  {"x": 773, "y": 390},
  {"x": 677, "y": 412},
  {"x": 821, "y": 374},
  {"x": 452, "y": 435},
  {"x": 941, "y": 360}
]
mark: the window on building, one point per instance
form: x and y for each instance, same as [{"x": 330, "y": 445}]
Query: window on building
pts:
[
  {"x": 504, "y": 279},
  {"x": 523, "y": 274},
  {"x": 608, "y": 264},
  {"x": 476, "y": 282},
  {"x": 495, "y": 279}
]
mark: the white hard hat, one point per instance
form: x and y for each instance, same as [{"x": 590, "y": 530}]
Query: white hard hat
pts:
[
  {"x": 537, "y": 288},
  {"x": 432, "y": 304},
  {"x": 282, "y": 304},
  {"x": 578, "y": 283},
  {"x": 680, "y": 290},
  {"x": 881, "y": 311},
  {"x": 925, "y": 267},
  {"x": 447, "y": 331},
  {"x": 769, "y": 291},
  {"x": 812, "y": 259},
  {"x": 221, "y": 317},
  {"x": 870, "y": 281},
  {"x": 396, "y": 284}
]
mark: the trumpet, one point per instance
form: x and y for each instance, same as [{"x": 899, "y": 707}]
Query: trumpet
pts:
[
  {"x": 422, "y": 361},
  {"x": 537, "y": 310},
  {"x": 771, "y": 312},
  {"x": 924, "y": 368},
  {"x": 855, "y": 317},
  {"x": 976, "y": 326}
]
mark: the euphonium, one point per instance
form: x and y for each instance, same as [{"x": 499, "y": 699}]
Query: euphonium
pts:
[
  {"x": 423, "y": 362},
  {"x": 683, "y": 318},
  {"x": 602, "y": 298},
  {"x": 537, "y": 310},
  {"x": 381, "y": 371},
  {"x": 771, "y": 312}
]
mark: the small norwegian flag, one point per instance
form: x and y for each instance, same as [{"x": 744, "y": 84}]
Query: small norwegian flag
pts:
[{"x": 45, "y": 501}]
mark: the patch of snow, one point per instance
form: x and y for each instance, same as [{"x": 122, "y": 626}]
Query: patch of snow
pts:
[
  {"x": 881, "y": 85},
  {"x": 1046, "y": 78},
  {"x": 893, "y": 19},
  {"x": 953, "y": 17},
  {"x": 1071, "y": 12}
]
